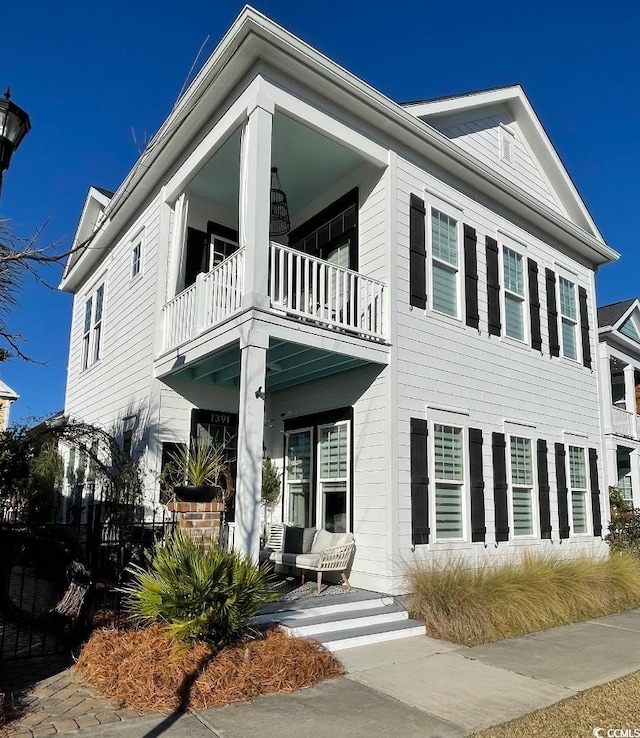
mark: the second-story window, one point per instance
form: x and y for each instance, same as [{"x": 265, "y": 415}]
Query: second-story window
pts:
[
  {"x": 86, "y": 333},
  {"x": 444, "y": 259},
  {"x": 136, "y": 259},
  {"x": 514, "y": 294},
  {"x": 569, "y": 318},
  {"x": 92, "y": 328}
]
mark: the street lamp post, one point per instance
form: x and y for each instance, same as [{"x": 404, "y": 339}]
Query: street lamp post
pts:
[{"x": 14, "y": 126}]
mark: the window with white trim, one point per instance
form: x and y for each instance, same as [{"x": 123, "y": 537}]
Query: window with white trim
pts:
[
  {"x": 449, "y": 481},
  {"x": 92, "y": 328},
  {"x": 136, "y": 258},
  {"x": 514, "y": 293},
  {"x": 578, "y": 484},
  {"x": 623, "y": 464},
  {"x": 569, "y": 318},
  {"x": 444, "y": 263},
  {"x": 522, "y": 485}
]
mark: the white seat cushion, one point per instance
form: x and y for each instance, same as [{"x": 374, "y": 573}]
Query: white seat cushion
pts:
[{"x": 324, "y": 540}]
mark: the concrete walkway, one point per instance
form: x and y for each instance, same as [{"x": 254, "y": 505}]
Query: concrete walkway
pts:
[{"x": 417, "y": 688}]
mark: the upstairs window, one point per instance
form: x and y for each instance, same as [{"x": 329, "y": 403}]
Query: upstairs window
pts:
[
  {"x": 449, "y": 481},
  {"x": 445, "y": 260},
  {"x": 569, "y": 318},
  {"x": 136, "y": 259},
  {"x": 514, "y": 294},
  {"x": 92, "y": 328}
]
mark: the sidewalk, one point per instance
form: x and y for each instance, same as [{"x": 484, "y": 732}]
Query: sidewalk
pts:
[{"x": 418, "y": 687}]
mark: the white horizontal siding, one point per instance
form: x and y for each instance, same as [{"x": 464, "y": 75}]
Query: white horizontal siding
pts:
[
  {"x": 481, "y": 138},
  {"x": 443, "y": 363}
]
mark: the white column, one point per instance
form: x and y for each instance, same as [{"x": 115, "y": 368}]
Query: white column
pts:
[
  {"x": 630, "y": 396},
  {"x": 255, "y": 203},
  {"x": 250, "y": 440},
  {"x": 635, "y": 476},
  {"x": 177, "y": 246}
]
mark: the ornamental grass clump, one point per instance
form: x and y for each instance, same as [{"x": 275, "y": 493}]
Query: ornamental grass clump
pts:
[
  {"x": 196, "y": 593},
  {"x": 524, "y": 595}
]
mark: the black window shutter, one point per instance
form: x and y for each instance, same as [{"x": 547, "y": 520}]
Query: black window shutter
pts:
[
  {"x": 534, "y": 305},
  {"x": 595, "y": 492},
  {"x": 419, "y": 482},
  {"x": 561, "y": 480},
  {"x": 500, "y": 487},
  {"x": 471, "y": 277},
  {"x": 552, "y": 312},
  {"x": 543, "y": 490},
  {"x": 418, "y": 253},
  {"x": 493, "y": 287},
  {"x": 478, "y": 527},
  {"x": 584, "y": 327}
]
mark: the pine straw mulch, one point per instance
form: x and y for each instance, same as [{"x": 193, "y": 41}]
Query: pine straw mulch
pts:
[
  {"x": 8, "y": 714},
  {"x": 145, "y": 670}
]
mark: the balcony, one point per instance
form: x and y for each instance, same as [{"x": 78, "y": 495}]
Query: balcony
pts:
[
  {"x": 300, "y": 286},
  {"x": 623, "y": 422}
]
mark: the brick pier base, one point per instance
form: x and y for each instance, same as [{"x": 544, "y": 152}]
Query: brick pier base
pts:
[{"x": 199, "y": 520}]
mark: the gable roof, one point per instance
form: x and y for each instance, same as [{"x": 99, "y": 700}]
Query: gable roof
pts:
[
  {"x": 6, "y": 392},
  {"x": 254, "y": 38},
  {"x": 515, "y": 100},
  {"x": 610, "y": 315},
  {"x": 95, "y": 203}
]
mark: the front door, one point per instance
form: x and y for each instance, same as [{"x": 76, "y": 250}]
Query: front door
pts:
[{"x": 318, "y": 475}]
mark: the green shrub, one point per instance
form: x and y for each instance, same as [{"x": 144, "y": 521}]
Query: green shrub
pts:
[
  {"x": 624, "y": 531},
  {"x": 527, "y": 594},
  {"x": 197, "y": 593}
]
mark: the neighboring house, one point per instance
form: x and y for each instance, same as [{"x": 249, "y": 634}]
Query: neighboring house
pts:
[
  {"x": 619, "y": 358},
  {"x": 7, "y": 398},
  {"x": 417, "y": 353}
]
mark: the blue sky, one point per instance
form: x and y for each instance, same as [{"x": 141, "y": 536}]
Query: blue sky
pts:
[{"x": 90, "y": 74}]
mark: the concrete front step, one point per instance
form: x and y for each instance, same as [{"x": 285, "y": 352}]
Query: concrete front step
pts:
[
  {"x": 318, "y": 624},
  {"x": 356, "y": 618},
  {"x": 320, "y": 607},
  {"x": 341, "y": 639}
]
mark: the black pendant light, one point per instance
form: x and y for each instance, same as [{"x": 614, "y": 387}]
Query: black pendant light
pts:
[{"x": 279, "y": 222}]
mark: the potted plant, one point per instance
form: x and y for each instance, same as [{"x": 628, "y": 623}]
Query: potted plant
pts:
[{"x": 195, "y": 472}]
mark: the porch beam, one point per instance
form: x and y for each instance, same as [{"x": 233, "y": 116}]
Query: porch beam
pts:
[
  {"x": 250, "y": 444},
  {"x": 255, "y": 202}
]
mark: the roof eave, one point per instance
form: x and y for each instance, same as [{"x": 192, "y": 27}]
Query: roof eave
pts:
[{"x": 251, "y": 22}]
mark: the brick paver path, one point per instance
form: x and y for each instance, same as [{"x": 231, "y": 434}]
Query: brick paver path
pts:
[{"x": 63, "y": 703}]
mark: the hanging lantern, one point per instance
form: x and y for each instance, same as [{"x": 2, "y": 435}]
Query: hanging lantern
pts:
[
  {"x": 14, "y": 126},
  {"x": 279, "y": 222}
]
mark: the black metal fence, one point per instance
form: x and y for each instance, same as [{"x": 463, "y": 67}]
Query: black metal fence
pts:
[{"x": 36, "y": 562}]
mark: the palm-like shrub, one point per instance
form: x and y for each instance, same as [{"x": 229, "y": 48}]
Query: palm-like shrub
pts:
[{"x": 197, "y": 593}]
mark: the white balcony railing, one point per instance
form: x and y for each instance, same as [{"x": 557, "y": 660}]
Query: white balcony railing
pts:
[
  {"x": 308, "y": 287},
  {"x": 299, "y": 285},
  {"x": 623, "y": 422},
  {"x": 213, "y": 297}
]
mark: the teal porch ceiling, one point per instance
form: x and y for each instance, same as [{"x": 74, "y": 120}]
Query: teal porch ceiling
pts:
[{"x": 288, "y": 365}]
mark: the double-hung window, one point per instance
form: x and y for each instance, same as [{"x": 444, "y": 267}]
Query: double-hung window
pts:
[
  {"x": 521, "y": 486},
  {"x": 136, "y": 258},
  {"x": 92, "y": 328},
  {"x": 578, "y": 480},
  {"x": 86, "y": 332},
  {"x": 514, "y": 293},
  {"x": 444, "y": 263},
  {"x": 568, "y": 315},
  {"x": 449, "y": 481}
]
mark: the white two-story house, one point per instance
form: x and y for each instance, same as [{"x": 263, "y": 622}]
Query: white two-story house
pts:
[
  {"x": 619, "y": 358},
  {"x": 412, "y": 337}
]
